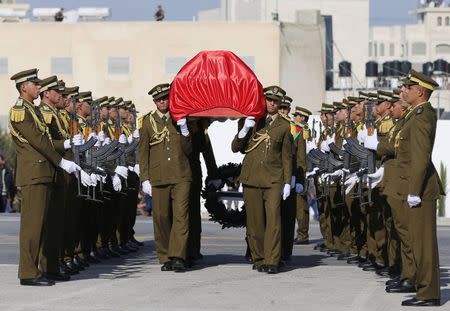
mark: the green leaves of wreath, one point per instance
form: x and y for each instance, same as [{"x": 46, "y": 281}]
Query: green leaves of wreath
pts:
[{"x": 228, "y": 174}]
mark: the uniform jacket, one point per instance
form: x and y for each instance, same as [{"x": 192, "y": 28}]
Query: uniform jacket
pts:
[
  {"x": 412, "y": 147},
  {"x": 167, "y": 161},
  {"x": 36, "y": 154},
  {"x": 270, "y": 161}
]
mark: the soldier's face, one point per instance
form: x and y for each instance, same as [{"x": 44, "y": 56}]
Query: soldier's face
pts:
[
  {"x": 272, "y": 105},
  {"x": 123, "y": 113},
  {"x": 323, "y": 118},
  {"x": 85, "y": 109},
  {"x": 162, "y": 104},
  {"x": 410, "y": 93},
  {"x": 330, "y": 119},
  {"x": 382, "y": 108},
  {"x": 299, "y": 118},
  {"x": 284, "y": 110},
  {"x": 54, "y": 97},
  {"x": 397, "y": 110},
  {"x": 341, "y": 115},
  {"x": 32, "y": 89},
  {"x": 104, "y": 113},
  {"x": 112, "y": 113}
]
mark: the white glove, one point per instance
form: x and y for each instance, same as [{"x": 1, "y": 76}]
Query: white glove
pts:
[
  {"x": 337, "y": 173},
  {"x": 67, "y": 144},
  {"x": 350, "y": 183},
  {"x": 136, "y": 133},
  {"x": 362, "y": 135},
  {"x": 94, "y": 179},
  {"x": 330, "y": 140},
  {"x": 137, "y": 169},
  {"x": 312, "y": 173},
  {"x": 85, "y": 179},
  {"x": 131, "y": 168},
  {"x": 182, "y": 123},
  {"x": 69, "y": 166},
  {"x": 299, "y": 188},
  {"x": 92, "y": 135},
  {"x": 121, "y": 171},
  {"x": 413, "y": 200},
  {"x": 215, "y": 182},
  {"x": 107, "y": 141},
  {"x": 103, "y": 179},
  {"x": 324, "y": 146},
  {"x": 147, "y": 187},
  {"x": 248, "y": 124},
  {"x": 286, "y": 191},
  {"x": 130, "y": 139},
  {"x": 293, "y": 182},
  {"x": 77, "y": 139},
  {"x": 101, "y": 136},
  {"x": 122, "y": 139},
  {"x": 377, "y": 176},
  {"x": 310, "y": 145},
  {"x": 117, "y": 183},
  {"x": 371, "y": 142}
]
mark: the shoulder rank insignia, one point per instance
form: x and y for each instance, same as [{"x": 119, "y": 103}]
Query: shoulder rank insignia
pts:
[
  {"x": 139, "y": 122},
  {"x": 17, "y": 114},
  {"x": 419, "y": 110},
  {"x": 306, "y": 134},
  {"x": 47, "y": 114}
]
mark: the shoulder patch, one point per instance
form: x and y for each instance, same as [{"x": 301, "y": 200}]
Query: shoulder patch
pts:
[
  {"x": 48, "y": 115},
  {"x": 419, "y": 110},
  {"x": 306, "y": 134},
  {"x": 17, "y": 114}
]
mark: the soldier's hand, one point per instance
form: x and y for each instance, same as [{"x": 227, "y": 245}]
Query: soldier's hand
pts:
[
  {"x": 91, "y": 135},
  {"x": 94, "y": 179},
  {"x": 414, "y": 200},
  {"x": 248, "y": 124},
  {"x": 147, "y": 187},
  {"x": 69, "y": 166},
  {"x": 371, "y": 142},
  {"x": 324, "y": 147},
  {"x": 101, "y": 136},
  {"x": 117, "y": 183},
  {"x": 77, "y": 140},
  {"x": 121, "y": 171},
  {"x": 122, "y": 139},
  {"x": 182, "y": 123},
  {"x": 107, "y": 141},
  {"x": 362, "y": 135},
  {"x": 312, "y": 173},
  {"x": 376, "y": 177},
  {"x": 130, "y": 139},
  {"x": 286, "y": 191},
  {"x": 299, "y": 188},
  {"x": 85, "y": 179},
  {"x": 310, "y": 145},
  {"x": 350, "y": 183},
  {"x": 136, "y": 133},
  {"x": 137, "y": 169}
]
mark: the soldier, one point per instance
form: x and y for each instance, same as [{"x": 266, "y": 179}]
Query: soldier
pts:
[
  {"x": 301, "y": 118},
  {"x": 37, "y": 159},
  {"x": 418, "y": 189},
  {"x": 164, "y": 150},
  {"x": 51, "y": 102},
  {"x": 266, "y": 176}
]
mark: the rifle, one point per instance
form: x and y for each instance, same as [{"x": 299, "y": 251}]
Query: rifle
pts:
[
  {"x": 313, "y": 132},
  {"x": 332, "y": 129}
]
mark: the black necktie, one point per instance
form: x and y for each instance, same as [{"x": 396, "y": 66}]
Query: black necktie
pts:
[
  {"x": 268, "y": 120},
  {"x": 164, "y": 119}
]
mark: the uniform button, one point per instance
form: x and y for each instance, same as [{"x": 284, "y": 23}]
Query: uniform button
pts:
[{"x": 168, "y": 159}]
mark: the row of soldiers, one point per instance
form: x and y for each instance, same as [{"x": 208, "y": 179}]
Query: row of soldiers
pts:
[
  {"x": 377, "y": 186},
  {"x": 78, "y": 172}
]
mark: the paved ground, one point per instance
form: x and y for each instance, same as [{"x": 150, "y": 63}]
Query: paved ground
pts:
[{"x": 222, "y": 281}]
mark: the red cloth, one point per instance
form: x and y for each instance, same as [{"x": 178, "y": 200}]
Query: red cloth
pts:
[{"x": 216, "y": 84}]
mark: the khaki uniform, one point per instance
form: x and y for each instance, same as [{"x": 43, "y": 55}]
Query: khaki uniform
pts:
[
  {"x": 266, "y": 167},
  {"x": 413, "y": 149},
  {"x": 302, "y": 208},
  {"x": 35, "y": 172},
  {"x": 55, "y": 220},
  {"x": 164, "y": 161}
]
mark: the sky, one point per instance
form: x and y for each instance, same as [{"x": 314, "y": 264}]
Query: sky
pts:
[{"x": 382, "y": 12}]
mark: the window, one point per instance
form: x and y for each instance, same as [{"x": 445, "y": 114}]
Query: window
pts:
[
  {"x": 447, "y": 21},
  {"x": 61, "y": 65},
  {"x": 3, "y": 66},
  {"x": 174, "y": 64},
  {"x": 418, "y": 48},
  {"x": 439, "y": 21},
  {"x": 381, "y": 49},
  {"x": 375, "y": 50},
  {"x": 118, "y": 65},
  {"x": 443, "y": 49},
  {"x": 370, "y": 49},
  {"x": 391, "y": 49}
]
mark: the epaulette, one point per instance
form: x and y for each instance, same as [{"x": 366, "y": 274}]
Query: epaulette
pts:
[
  {"x": 306, "y": 134},
  {"x": 419, "y": 110},
  {"x": 17, "y": 112},
  {"x": 47, "y": 114},
  {"x": 139, "y": 122},
  {"x": 285, "y": 117},
  {"x": 110, "y": 122}
]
